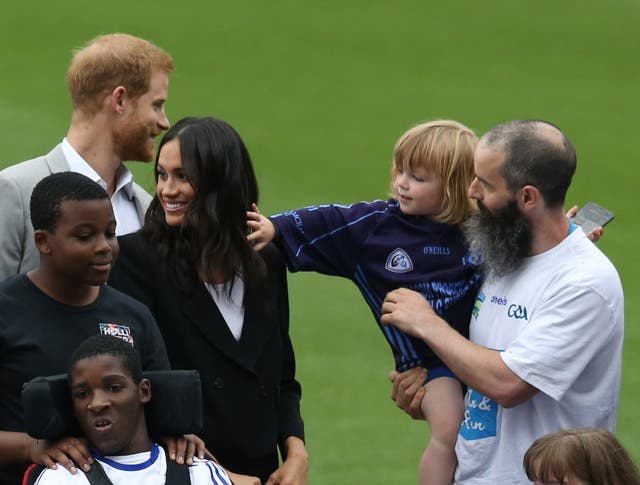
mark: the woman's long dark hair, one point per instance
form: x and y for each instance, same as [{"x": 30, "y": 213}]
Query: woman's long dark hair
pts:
[{"x": 212, "y": 237}]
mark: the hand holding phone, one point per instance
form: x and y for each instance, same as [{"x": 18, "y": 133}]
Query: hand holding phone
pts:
[{"x": 591, "y": 216}]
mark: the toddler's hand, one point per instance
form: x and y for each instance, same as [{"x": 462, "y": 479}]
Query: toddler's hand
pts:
[{"x": 261, "y": 229}]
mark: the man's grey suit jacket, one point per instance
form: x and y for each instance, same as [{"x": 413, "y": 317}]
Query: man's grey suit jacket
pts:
[{"x": 18, "y": 253}]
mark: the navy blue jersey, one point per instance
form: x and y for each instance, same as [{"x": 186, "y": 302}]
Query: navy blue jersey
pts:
[{"x": 380, "y": 249}]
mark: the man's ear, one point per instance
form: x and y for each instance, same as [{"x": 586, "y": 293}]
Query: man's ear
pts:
[
  {"x": 144, "y": 389},
  {"x": 41, "y": 240},
  {"x": 118, "y": 99},
  {"x": 528, "y": 197}
]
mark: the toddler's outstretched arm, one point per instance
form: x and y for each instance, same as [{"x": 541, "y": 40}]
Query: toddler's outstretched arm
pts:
[{"x": 261, "y": 229}]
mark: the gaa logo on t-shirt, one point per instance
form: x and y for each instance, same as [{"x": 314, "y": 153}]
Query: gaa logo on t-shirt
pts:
[
  {"x": 120, "y": 331},
  {"x": 399, "y": 262}
]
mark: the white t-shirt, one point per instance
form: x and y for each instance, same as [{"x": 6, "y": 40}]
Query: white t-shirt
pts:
[
  {"x": 148, "y": 468},
  {"x": 559, "y": 321}
]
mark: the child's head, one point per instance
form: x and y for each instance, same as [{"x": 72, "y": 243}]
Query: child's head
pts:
[
  {"x": 74, "y": 227},
  {"x": 580, "y": 456},
  {"x": 109, "y": 394},
  {"x": 432, "y": 169},
  {"x": 49, "y": 194},
  {"x": 105, "y": 344}
]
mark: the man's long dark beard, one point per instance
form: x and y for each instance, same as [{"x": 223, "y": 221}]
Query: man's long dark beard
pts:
[{"x": 501, "y": 239}]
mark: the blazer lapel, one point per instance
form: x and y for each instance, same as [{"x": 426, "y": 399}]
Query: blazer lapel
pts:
[
  {"x": 256, "y": 328},
  {"x": 56, "y": 161},
  {"x": 142, "y": 200},
  {"x": 203, "y": 312}
]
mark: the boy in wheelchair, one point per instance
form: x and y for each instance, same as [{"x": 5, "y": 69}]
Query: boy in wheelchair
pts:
[{"x": 108, "y": 396}]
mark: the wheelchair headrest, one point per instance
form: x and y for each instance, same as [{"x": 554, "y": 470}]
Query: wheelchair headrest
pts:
[{"x": 175, "y": 407}]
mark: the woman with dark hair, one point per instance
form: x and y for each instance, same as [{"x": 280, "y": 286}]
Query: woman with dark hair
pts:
[{"x": 222, "y": 308}]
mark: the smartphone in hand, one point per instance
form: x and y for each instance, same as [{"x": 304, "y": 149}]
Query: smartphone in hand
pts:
[{"x": 592, "y": 215}]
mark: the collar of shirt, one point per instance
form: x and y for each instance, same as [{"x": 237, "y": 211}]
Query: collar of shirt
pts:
[{"x": 124, "y": 177}]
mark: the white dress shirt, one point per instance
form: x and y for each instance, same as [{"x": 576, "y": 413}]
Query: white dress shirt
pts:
[{"x": 124, "y": 206}]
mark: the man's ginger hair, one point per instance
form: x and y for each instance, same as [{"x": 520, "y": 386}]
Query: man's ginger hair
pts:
[{"x": 113, "y": 60}]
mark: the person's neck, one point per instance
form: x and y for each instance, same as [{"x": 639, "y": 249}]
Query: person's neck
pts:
[
  {"x": 548, "y": 230},
  {"x": 91, "y": 138},
  {"x": 140, "y": 443},
  {"x": 62, "y": 290}
]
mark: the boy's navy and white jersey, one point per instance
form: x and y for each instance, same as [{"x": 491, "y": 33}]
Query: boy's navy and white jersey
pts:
[
  {"x": 381, "y": 249},
  {"x": 146, "y": 468}
]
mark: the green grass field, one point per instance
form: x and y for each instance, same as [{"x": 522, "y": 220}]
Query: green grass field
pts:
[{"x": 320, "y": 91}]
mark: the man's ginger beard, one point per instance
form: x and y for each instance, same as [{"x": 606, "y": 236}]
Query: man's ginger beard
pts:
[{"x": 134, "y": 139}]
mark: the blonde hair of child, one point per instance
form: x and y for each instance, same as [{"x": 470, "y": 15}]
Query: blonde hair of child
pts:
[
  {"x": 591, "y": 455},
  {"x": 444, "y": 148}
]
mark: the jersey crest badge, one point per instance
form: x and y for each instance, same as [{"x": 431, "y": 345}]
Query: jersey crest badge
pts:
[{"x": 399, "y": 262}]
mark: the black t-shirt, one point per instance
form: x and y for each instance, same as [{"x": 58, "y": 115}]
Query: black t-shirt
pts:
[{"x": 38, "y": 335}]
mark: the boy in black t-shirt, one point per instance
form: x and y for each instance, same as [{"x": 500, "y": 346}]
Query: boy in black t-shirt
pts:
[{"x": 48, "y": 312}]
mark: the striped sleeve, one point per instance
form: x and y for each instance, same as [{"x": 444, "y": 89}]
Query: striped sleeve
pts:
[{"x": 206, "y": 472}]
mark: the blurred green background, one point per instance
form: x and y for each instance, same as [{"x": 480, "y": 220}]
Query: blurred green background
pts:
[{"x": 320, "y": 91}]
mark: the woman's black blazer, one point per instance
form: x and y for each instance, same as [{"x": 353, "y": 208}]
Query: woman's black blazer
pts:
[{"x": 251, "y": 399}]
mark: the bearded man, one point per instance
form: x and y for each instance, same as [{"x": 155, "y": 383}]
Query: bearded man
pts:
[{"x": 545, "y": 342}]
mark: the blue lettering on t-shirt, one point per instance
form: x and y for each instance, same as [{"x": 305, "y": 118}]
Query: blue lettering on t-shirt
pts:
[
  {"x": 480, "y": 416},
  {"x": 518, "y": 312}
]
